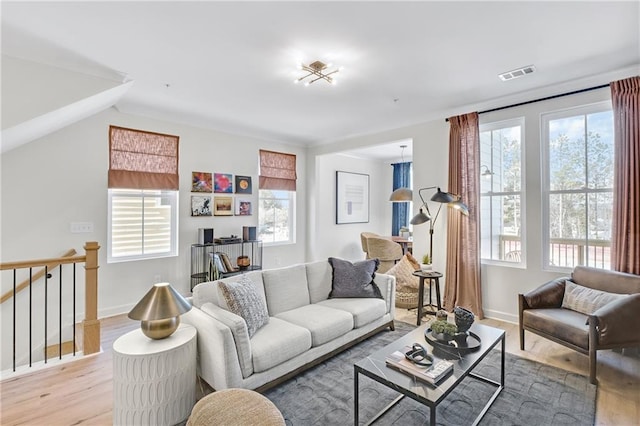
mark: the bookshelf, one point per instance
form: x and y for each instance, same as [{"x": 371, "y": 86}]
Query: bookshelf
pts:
[{"x": 203, "y": 263}]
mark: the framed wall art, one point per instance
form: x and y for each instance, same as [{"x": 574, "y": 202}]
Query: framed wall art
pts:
[
  {"x": 223, "y": 183},
  {"x": 243, "y": 207},
  {"x": 352, "y": 197},
  {"x": 243, "y": 184},
  {"x": 201, "y": 182},
  {"x": 200, "y": 206},
  {"x": 222, "y": 206}
]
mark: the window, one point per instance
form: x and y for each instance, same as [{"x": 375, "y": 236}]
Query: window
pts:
[
  {"x": 277, "y": 198},
  {"x": 276, "y": 217},
  {"x": 578, "y": 186},
  {"x": 142, "y": 224},
  {"x": 501, "y": 194},
  {"x": 143, "y": 195}
]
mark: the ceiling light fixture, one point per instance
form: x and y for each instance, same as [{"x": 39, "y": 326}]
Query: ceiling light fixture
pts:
[{"x": 316, "y": 70}]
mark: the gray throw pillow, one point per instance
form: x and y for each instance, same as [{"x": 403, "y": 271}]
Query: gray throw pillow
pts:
[
  {"x": 242, "y": 299},
  {"x": 354, "y": 279}
]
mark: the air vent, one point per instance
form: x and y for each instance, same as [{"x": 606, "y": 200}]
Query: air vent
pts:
[{"x": 510, "y": 75}]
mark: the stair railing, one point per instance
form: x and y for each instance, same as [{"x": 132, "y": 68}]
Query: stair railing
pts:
[{"x": 90, "y": 324}]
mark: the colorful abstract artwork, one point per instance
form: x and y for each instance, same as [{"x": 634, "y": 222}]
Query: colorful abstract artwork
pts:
[{"x": 223, "y": 183}]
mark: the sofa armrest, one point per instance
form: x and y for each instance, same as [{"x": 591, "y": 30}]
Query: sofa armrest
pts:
[
  {"x": 387, "y": 285},
  {"x": 548, "y": 295},
  {"x": 218, "y": 361},
  {"x": 616, "y": 321}
]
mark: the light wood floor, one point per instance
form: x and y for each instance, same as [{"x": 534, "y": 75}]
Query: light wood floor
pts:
[{"x": 80, "y": 392}]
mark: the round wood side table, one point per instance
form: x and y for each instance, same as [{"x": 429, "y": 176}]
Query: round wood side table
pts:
[{"x": 154, "y": 380}]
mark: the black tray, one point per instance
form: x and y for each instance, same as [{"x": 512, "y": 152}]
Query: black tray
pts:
[{"x": 462, "y": 343}]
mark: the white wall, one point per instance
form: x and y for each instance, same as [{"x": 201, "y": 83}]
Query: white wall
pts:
[
  {"x": 343, "y": 240},
  {"x": 62, "y": 178}
]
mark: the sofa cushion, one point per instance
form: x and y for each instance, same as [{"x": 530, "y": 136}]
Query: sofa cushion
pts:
[
  {"x": 354, "y": 279},
  {"x": 403, "y": 271},
  {"x": 324, "y": 323},
  {"x": 238, "y": 327},
  {"x": 319, "y": 276},
  {"x": 364, "y": 310},
  {"x": 243, "y": 299},
  {"x": 564, "y": 324},
  {"x": 286, "y": 288},
  {"x": 586, "y": 300},
  {"x": 278, "y": 342}
]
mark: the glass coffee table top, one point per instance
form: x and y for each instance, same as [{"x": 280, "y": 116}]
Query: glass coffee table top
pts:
[{"x": 374, "y": 366}]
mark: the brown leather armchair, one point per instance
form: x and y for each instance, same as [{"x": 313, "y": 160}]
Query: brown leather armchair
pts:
[{"x": 614, "y": 325}]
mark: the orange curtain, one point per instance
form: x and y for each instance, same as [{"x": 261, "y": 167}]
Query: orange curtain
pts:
[
  {"x": 463, "y": 261},
  {"x": 277, "y": 171},
  {"x": 625, "y": 237},
  {"x": 142, "y": 160}
]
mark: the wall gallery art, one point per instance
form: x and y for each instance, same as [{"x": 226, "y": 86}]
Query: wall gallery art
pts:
[
  {"x": 201, "y": 182},
  {"x": 243, "y": 185},
  {"x": 200, "y": 206},
  {"x": 243, "y": 207},
  {"x": 222, "y": 206},
  {"x": 223, "y": 183}
]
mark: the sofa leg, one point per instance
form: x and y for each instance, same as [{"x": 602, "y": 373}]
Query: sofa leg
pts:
[
  {"x": 521, "y": 339},
  {"x": 392, "y": 326},
  {"x": 593, "y": 352}
]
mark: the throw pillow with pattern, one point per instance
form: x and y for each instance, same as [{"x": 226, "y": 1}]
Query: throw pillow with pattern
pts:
[{"x": 242, "y": 299}]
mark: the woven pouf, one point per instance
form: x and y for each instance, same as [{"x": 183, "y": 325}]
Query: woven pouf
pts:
[{"x": 235, "y": 407}]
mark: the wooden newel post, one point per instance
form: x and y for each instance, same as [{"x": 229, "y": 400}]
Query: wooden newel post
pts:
[{"x": 91, "y": 324}]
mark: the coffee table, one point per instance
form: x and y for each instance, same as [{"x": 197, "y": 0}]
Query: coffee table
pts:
[{"x": 374, "y": 367}]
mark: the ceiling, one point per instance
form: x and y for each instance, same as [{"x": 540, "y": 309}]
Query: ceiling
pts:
[{"x": 231, "y": 65}]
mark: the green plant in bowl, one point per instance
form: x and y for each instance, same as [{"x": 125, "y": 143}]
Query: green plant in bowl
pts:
[{"x": 443, "y": 330}]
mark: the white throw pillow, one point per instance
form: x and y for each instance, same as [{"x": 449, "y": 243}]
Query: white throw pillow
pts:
[
  {"x": 586, "y": 300},
  {"x": 243, "y": 299}
]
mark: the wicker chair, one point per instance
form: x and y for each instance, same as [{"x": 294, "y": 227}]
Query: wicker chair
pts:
[{"x": 384, "y": 249}]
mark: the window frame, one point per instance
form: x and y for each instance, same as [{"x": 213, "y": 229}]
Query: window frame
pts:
[
  {"x": 291, "y": 223},
  {"x": 496, "y": 125},
  {"x": 545, "y": 119},
  {"x": 173, "y": 197}
]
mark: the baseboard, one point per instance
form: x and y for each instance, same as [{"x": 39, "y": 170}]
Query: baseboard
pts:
[{"x": 502, "y": 316}]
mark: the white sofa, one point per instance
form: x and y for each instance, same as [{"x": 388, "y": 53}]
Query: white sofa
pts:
[{"x": 305, "y": 327}]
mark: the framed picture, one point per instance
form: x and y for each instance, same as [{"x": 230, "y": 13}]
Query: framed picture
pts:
[
  {"x": 243, "y": 184},
  {"x": 200, "y": 206},
  {"x": 243, "y": 207},
  {"x": 223, "y": 206},
  {"x": 223, "y": 183},
  {"x": 201, "y": 182},
  {"x": 352, "y": 197}
]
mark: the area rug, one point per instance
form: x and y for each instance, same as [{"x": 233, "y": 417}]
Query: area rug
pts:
[{"x": 534, "y": 394}]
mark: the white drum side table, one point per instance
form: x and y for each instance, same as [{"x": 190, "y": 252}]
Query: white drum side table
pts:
[{"x": 154, "y": 381}]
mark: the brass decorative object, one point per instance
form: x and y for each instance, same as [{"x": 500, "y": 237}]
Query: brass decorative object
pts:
[{"x": 160, "y": 310}]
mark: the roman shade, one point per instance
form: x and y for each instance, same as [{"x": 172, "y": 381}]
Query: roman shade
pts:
[
  {"x": 142, "y": 160},
  {"x": 277, "y": 171}
]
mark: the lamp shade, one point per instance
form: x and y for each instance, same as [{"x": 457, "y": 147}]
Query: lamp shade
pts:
[
  {"x": 401, "y": 195},
  {"x": 443, "y": 197},
  {"x": 420, "y": 218},
  {"x": 160, "y": 310},
  {"x": 460, "y": 206}
]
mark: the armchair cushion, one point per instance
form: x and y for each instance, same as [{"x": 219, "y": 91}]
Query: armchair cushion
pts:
[{"x": 586, "y": 300}]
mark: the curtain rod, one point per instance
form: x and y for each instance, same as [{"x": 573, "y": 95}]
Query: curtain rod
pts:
[{"x": 602, "y": 86}]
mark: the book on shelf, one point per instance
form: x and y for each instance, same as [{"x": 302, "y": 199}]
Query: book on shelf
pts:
[
  {"x": 431, "y": 374},
  {"x": 218, "y": 263},
  {"x": 227, "y": 262}
]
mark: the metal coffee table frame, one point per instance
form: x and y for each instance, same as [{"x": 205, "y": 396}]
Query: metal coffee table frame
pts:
[{"x": 375, "y": 368}]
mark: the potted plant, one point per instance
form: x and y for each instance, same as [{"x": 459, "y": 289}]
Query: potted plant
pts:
[{"x": 426, "y": 263}]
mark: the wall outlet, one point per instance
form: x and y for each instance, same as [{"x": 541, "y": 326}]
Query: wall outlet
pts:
[{"x": 81, "y": 227}]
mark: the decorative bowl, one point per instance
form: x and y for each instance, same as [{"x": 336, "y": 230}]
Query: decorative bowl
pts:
[{"x": 443, "y": 337}]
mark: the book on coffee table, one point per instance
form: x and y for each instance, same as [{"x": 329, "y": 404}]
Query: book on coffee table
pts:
[{"x": 431, "y": 374}]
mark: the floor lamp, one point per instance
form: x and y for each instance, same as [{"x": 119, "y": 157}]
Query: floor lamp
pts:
[{"x": 452, "y": 200}]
